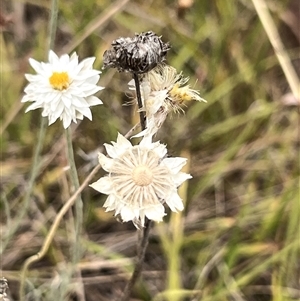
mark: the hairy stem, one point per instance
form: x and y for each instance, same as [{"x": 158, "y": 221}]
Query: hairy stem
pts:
[
  {"x": 35, "y": 166},
  {"x": 78, "y": 204},
  {"x": 146, "y": 230}
]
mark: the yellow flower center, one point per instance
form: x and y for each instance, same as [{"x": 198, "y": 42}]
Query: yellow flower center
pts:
[
  {"x": 59, "y": 80},
  {"x": 142, "y": 175},
  {"x": 181, "y": 94}
]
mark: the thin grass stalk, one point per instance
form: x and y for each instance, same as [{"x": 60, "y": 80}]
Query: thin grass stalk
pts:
[
  {"x": 274, "y": 38},
  {"x": 36, "y": 159},
  {"x": 54, "y": 226},
  {"x": 177, "y": 229},
  {"x": 95, "y": 24},
  {"x": 244, "y": 280},
  {"x": 78, "y": 204},
  {"x": 52, "y": 24},
  {"x": 33, "y": 174}
]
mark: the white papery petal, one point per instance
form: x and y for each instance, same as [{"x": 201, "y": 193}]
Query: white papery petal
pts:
[
  {"x": 175, "y": 202},
  {"x": 103, "y": 185},
  {"x": 155, "y": 101},
  {"x": 110, "y": 203},
  {"x": 93, "y": 100},
  {"x": 155, "y": 213},
  {"x": 180, "y": 178},
  {"x": 53, "y": 58},
  {"x": 110, "y": 150},
  {"x": 35, "y": 65},
  {"x": 85, "y": 112},
  {"x": 175, "y": 164},
  {"x": 146, "y": 141},
  {"x": 161, "y": 150},
  {"x": 88, "y": 63},
  {"x": 141, "y": 134},
  {"x": 128, "y": 214},
  {"x": 67, "y": 119},
  {"x": 123, "y": 142},
  {"x": 51, "y": 118},
  {"x": 106, "y": 163}
]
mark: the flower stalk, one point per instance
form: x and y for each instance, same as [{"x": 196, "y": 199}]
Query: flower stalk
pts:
[
  {"x": 35, "y": 166},
  {"x": 78, "y": 203},
  {"x": 140, "y": 260},
  {"x": 139, "y": 101},
  {"x": 141, "y": 178},
  {"x": 146, "y": 230}
]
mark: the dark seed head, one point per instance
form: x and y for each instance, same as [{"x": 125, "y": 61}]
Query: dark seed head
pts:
[
  {"x": 139, "y": 54},
  {"x": 3, "y": 286}
]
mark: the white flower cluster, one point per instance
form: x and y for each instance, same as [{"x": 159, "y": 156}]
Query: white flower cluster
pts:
[{"x": 141, "y": 178}]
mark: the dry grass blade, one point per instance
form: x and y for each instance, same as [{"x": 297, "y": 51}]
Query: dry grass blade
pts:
[
  {"x": 95, "y": 24},
  {"x": 274, "y": 37}
]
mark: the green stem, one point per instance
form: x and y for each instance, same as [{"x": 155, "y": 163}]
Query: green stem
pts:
[
  {"x": 33, "y": 174},
  {"x": 78, "y": 203},
  {"x": 52, "y": 24},
  {"x": 36, "y": 159}
]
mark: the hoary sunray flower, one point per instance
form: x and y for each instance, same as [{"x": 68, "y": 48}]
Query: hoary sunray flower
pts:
[
  {"x": 140, "y": 180},
  {"x": 163, "y": 90},
  {"x": 63, "y": 88}
]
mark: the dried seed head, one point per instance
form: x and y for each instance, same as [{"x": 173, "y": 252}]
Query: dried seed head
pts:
[
  {"x": 139, "y": 54},
  {"x": 3, "y": 285},
  {"x": 3, "y": 288}
]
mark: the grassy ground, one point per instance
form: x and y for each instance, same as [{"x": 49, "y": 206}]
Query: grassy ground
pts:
[{"x": 238, "y": 238}]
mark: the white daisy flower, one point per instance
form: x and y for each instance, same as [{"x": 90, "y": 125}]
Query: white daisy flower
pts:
[
  {"x": 163, "y": 90},
  {"x": 63, "y": 88},
  {"x": 140, "y": 180}
]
